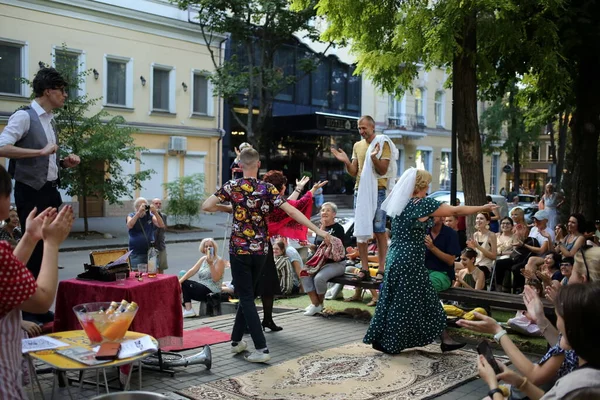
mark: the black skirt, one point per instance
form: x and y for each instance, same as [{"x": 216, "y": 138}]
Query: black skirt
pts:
[{"x": 268, "y": 284}]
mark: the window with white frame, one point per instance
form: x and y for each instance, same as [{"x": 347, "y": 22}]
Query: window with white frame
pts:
[
  {"x": 495, "y": 174},
  {"x": 548, "y": 152},
  {"x": 397, "y": 110},
  {"x": 439, "y": 108},
  {"x": 423, "y": 159},
  {"x": 13, "y": 63},
  {"x": 202, "y": 102},
  {"x": 118, "y": 84},
  {"x": 445, "y": 164},
  {"x": 70, "y": 63},
  {"x": 419, "y": 102},
  {"x": 163, "y": 88},
  {"x": 535, "y": 153}
]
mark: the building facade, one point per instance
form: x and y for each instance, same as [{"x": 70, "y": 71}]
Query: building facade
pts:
[
  {"x": 150, "y": 65},
  {"x": 420, "y": 124}
]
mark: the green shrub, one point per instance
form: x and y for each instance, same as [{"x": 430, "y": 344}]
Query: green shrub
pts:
[{"x": 185, "y": 195}]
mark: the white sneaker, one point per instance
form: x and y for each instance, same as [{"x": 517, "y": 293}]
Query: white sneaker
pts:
[
  {"x": 308, "y": 307},
  {"x": 258, "y": 356},
  {"x": 189, "y": 313},
  {"x": 241, "y": 346},
  {"x": 312, "y": 310}
]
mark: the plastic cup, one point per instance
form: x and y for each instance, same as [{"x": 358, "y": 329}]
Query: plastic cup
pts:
[{"x": 120, "y": 278}]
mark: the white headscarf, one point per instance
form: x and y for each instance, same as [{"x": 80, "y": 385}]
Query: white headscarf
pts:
[{"x": 401, "y": 194}]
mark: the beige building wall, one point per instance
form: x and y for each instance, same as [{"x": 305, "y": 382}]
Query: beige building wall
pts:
[
  {"x": 98, "y": 32},
  {"x": 420, "y": 123}
]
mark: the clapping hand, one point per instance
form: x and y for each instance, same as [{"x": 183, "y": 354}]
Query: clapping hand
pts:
[
  {"x": 71, "y": 161},
  {"x": 428, "y": 242},
  {"x": 56, "y": 229},
  {"x": 533, "y": 303},
  {"x": 375, "y": 150},
  {"x": 340, "y": 155},
  {"x": 35, "y": 223}
]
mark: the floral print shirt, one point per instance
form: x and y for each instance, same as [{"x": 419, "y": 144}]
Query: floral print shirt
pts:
[{"x": 252, "y": 200}]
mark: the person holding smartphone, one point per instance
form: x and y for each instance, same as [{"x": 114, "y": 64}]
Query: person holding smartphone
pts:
[
  {"x": 209, "y": 268},
  {"x": 142, "y": 225}
]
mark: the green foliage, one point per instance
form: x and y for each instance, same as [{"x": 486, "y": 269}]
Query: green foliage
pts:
[
  {"x": 185, "y": 194},
  {"x": 258, "y": 28},
  {"x": 101, "y": 141}
]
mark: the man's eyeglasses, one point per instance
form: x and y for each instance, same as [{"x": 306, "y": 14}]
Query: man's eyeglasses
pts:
[
  {"x": 62, "y": 89},
  {"x": 505, "y": 223}
]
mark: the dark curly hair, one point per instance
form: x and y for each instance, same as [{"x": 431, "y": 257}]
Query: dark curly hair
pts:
[
  {"x": 275, "y": 178},
  {"x": 47, "y": 78}
]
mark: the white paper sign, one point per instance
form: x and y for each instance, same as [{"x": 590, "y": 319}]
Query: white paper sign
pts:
[
  {"x": 41, "y": 343},
  {"x": 130, "y": 348}
]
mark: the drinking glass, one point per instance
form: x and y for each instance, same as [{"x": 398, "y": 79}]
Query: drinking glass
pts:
[
  {"x": 120, "y": 278},
  {"x": 142, "y": 269}
]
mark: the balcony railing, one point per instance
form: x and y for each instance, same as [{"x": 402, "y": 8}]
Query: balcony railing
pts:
[{"x": 410, "y": 122}]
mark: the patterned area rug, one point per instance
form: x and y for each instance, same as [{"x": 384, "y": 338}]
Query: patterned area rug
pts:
[{"x": 352, "y": 372}]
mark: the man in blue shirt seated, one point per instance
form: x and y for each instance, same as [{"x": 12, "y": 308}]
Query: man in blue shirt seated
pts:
[{"x": 442, "y": 250}]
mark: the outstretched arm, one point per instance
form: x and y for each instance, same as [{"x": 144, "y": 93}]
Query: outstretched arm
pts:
[
  {"x": 301, "y": 219},
  {"x": 446, "y": 210}
]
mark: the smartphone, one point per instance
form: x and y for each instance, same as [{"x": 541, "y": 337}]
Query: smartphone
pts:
[
  {"x": 211, "y": 251},
  {"x": 485, "y": 350},
  {"x": 108, "y": 351}
]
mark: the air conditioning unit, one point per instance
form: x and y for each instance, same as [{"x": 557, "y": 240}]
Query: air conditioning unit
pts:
[{"x": 177, "y": 144}]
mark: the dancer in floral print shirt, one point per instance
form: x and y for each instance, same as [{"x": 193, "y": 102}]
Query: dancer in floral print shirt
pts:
[{"x": 251, "y": 200}]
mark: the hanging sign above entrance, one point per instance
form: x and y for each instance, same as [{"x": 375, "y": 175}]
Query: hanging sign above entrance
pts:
[{"x": 336, "y": 123}]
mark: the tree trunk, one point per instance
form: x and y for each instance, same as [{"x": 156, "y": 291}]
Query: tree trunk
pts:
[
  {"x": 563, "y": 126},
  {"x": 513, "y": 132},
  {"x": 83, "y": 205},
  {"x": 465, "y": 97},
  {"x": 584, "y": 189}
]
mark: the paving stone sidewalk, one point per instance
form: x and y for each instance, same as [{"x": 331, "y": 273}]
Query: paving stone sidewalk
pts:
[{"x": 301, "y": 335}]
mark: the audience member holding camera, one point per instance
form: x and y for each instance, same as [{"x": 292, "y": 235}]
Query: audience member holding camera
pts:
[{"x": 142, "y": 226}]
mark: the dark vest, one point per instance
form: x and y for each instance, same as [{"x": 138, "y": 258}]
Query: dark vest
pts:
[{"x": 31, "y": 171}]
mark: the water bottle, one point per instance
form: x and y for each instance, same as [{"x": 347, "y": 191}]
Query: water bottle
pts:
[{"x": 152, "y": 261}]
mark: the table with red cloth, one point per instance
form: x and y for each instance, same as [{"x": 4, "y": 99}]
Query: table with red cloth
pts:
[{"x": 160, "y": 314}]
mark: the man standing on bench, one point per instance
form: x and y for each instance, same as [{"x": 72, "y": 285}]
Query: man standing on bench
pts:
[
  {"x": 442, "y": 249},
  {"x": 373, "y": 164},
  {"x": 251, "y": 200}
]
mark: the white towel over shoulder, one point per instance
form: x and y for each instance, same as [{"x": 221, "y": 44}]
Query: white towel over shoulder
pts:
[{"x": 366, "y": 200}]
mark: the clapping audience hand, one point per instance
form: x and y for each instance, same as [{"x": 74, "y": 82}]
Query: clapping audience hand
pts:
[
  {"x": 35, "y": 222},
  {"x": 428, "y": 242},
  {"x": 528, "y": 273},
  {"x": 533, "y": 303},
  {"x": 55, "y": 230},
  {"x": 550, "y": 292},
  {"x": 546, "y": 280}
]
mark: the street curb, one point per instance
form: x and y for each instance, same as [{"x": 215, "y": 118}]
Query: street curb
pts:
[{"x": 117, "y": 245}]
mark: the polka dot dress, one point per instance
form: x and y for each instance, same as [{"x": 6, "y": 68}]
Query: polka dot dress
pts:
[
  {"x": 17, "y": 284},
  {"x": 408, "y": 313}
]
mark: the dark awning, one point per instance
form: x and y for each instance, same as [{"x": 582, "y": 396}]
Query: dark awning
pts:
[{"x": 319, "y": 123}]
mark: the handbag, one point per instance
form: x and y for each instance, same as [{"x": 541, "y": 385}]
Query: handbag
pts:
[
  {"x": 521, "y": 253},
  {"x": 334, "y": 251}
]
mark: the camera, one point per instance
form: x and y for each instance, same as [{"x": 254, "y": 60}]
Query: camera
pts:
[{"x": 147, "y": 207}]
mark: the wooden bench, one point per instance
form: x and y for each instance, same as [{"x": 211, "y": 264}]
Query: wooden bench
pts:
[
  {"x": 493, "y": 299},
  {"x": 350, "y": 280}
]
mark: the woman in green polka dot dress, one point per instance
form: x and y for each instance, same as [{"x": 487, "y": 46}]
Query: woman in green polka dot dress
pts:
[{"x": 409, "y": 313}]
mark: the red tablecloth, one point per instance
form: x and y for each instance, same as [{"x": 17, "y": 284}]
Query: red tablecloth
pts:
[{"x": 159, "y": 298}]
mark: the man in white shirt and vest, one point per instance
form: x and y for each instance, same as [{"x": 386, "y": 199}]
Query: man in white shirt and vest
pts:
[{"x": 30, "y": 141}]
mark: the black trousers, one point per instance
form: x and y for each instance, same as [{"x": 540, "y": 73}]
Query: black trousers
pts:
[
  {"x": 26, "y": 199},
  {"x": 193, "y": 290}
]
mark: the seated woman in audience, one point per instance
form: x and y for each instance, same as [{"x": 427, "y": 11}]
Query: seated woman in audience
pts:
[
  {"x": 484, "y": 242},
  {"x": 575, "y": 239},
  {"x": 566, "y": 267},
  {"x": 10, "y": 231},
  {"x": 575, "y": 303},
  {"x": 548, "y": 272},
  {"x": 521, "y": 229},
  {"x": 285, "y": 270},
  {"x": 506, "y": 244},
  {"x": 210, "y": 268},
  {"x": 470, "y": 277},
  {"x": 316, "y": 285}
]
